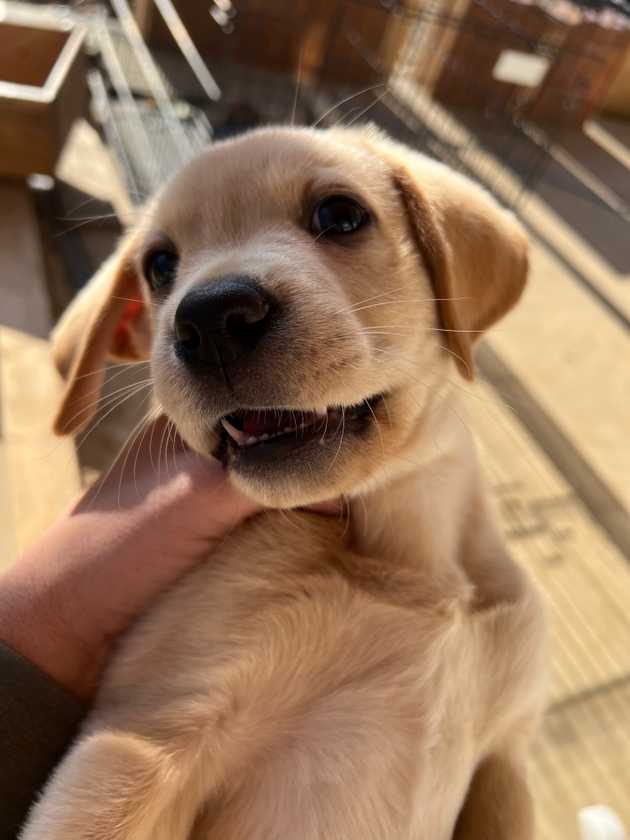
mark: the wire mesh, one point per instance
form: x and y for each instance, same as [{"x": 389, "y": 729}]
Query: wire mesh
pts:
[{"x": 424, "y": 71}]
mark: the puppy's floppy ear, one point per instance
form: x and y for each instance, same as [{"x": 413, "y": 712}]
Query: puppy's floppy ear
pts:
[
  {"x": 475, "y": 251},
  {"x": 109, "y": 318}
]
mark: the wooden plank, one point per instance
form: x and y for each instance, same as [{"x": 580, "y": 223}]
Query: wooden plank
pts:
[
  {"x": 585, "y": 577},
  {"x": 569, "y": 353},
  {"x": 22, "y": 274},
  {"x": 612, "y": 284},
  {"x": 41, "y": 471},
  {"x": 612, "y": 135},
  {"x": 42, "y": 87},
  {"x": 583, "y": 758},
  {"x": 583, "y": 754}
]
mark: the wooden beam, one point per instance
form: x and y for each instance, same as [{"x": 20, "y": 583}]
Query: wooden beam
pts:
[{"x": 25, "y": 303}]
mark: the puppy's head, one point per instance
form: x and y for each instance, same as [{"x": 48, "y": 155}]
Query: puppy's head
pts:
[{"x": 304, "y": 295}]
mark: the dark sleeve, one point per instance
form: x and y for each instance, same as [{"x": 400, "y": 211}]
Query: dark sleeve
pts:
[{"x": 38, "y": 719}]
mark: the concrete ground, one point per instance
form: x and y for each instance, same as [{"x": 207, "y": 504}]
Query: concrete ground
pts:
[{"x": 551, "y": 413}]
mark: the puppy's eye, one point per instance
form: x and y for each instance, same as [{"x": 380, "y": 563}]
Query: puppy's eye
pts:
[
  {"x": 160, "y": 269},
  {"x": 338, "y": 214}
]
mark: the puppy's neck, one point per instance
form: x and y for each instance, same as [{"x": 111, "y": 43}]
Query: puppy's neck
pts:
[{"x": 435, "y": 518}]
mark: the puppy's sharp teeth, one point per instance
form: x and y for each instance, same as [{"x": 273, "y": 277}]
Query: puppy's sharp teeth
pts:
[
  {"x": 239, "y": 437},
  {"x": 251, "y": 440}
]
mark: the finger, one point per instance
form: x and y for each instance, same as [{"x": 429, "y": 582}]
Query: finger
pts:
[{"x": 158, "y": 470}]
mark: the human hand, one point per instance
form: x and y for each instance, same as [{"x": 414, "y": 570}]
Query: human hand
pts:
[{"x": 129, "y": 537}]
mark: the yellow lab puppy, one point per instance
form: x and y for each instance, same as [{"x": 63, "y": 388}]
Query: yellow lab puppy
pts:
[{"x": 310, "y": 299}]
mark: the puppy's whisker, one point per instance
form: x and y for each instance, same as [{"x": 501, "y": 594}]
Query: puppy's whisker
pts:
[
  {"x": 131, "y": 300},
  {"x": 456, "y": 356},
  {"x": 415, "y": 329},
  {"x": 159, "y": 460},
  {"x": 82, "y": 223},
  {"x": 117, "y": 405},
  {"x": 173, "y": 442},
  {"x": 323, "y": 437},
  {"x": 153, "y": 464},
  {"x": 397, "y": 301},
  {"x": 106, "y": 399},
  {"x": 464, "y": 424},
  {"x": 378, "y": 426},
  {"x": 165, "y": 431},
  {"x": 72, "y": 217},
  {"x": 441, "y": 346},
  {"x": 472, "y": 392},
  {"x": 293, "y": 521},
  {"x": 97, "y": 218},
  {"x": 297, "y": 85},
  {"x": 343, "y": 102},
  {"x": 323, "y": 232},
  {"x": 345, "y": 513},
  {"x": 388, "y": 329},
  {"x": 164, "y": 449},
  {"x": 123, "y": 365},
  {"x": 385, "y": 333},
  {"x": 446, "y": 330},
  {"x": 81, "y": 205},
  {"x": 467, "y": 391},
  {"x": 361, "y": 499},
  {"x": 151, "y": 416},
  {"x": 103, "y": 479},
  {"x": 362, "y": 113},
  {"x": 401, "y": 358},
  {"x": 386, "y": 407},
  {"x": 103, "y": 400},
  {"x": 348, "y": 114},
  {"x": 343, "y": 429},
  {"x": 133, "y": 435},
  {"x": 408, "y": 287},
  {"x": 167, "y": 444}
]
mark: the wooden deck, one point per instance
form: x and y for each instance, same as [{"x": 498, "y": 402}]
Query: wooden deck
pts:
[
  {"x": 39, "y": 473},
  {"x": 565, "y": 516},
  {"x": 583, "y": 754}
]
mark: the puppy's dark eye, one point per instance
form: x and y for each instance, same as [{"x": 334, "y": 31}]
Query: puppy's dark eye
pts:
[
  {"x": 160, "y": 269},
  {"x": 338, "y": 214}
]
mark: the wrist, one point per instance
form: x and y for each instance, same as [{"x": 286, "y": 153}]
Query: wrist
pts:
[{"x": 31, "y": 624}]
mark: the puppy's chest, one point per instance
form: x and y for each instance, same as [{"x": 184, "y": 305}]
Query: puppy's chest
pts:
[{"x": 277, "y": 607}]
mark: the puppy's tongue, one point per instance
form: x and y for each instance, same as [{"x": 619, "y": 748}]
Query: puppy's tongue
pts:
[{"x": 247, "y": 427}]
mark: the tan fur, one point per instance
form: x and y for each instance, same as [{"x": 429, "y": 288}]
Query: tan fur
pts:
[
  {"x": 86, "y": 334},
  {"x": 377, "y": 678}
]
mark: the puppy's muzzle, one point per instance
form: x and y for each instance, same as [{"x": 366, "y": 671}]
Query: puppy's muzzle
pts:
[{"x": 222, "y": 323}]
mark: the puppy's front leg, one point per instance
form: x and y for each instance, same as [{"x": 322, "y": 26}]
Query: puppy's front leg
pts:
[
  {"x": 498, "y": 804},
  {"x": 113, "y": 786}
]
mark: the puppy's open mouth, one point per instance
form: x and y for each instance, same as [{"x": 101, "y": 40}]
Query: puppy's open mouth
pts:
[{"x": 266, "y": 433}]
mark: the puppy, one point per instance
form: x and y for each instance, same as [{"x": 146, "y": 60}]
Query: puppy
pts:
[{"x": 309, "y": 301}]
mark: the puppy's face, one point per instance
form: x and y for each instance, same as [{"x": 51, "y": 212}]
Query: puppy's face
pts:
[
  {"x": 293, "y": 322},
  {"x": 301, "y": 290}
]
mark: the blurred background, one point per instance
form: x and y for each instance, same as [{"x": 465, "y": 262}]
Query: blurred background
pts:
[{"x": 100, "y": 101}]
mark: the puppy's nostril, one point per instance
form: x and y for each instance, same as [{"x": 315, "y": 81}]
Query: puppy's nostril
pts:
[
  {"x": 188, "y": 339},
  {"x": 246, "y": 322},
  {"x": 222, "y": 321}
]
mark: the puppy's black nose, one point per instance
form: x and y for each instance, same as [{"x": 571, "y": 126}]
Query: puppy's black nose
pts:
[{"x": 222, "y": 321}]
